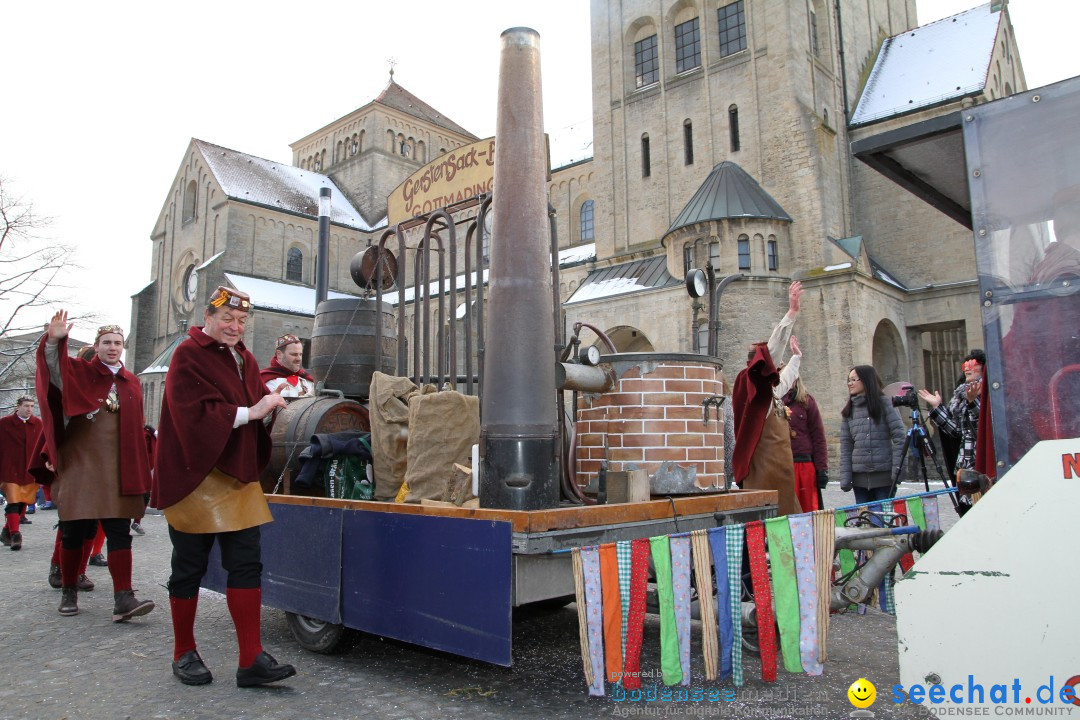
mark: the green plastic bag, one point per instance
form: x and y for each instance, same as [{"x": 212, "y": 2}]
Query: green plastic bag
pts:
[{"x": 348, "y": 477}]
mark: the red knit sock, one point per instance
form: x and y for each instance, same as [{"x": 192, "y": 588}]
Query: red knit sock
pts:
[
  {"x": 99, "y": 539},
  {"x": 245, "y": 606},
  {"x": 47, "y": 489},
  {"x": 120, "y": 569},
  {"x": 183, "y": 624},
  {"x": 12, "y": 520},
  {"x": 85, "y": 553},
  {"x": 56, "y": 549},
  {"x": 69, "y": 567}
]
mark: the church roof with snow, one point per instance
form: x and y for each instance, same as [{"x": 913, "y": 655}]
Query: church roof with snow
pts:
[
  {"x": 278, "y": 185},
  {"x": 397, "y": 97}
]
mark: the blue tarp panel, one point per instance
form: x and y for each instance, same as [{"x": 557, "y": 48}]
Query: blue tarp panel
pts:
[
  {"x": 301, "y": 555},
  {"x": 440, "y": 582}
]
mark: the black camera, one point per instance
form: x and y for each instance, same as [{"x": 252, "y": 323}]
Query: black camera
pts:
[{"x": 906, "y": 398}]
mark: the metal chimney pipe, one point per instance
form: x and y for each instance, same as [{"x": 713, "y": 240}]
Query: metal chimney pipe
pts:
[
  {"x": 322, "y": 260},
  {"x": 520, "y": 467}
]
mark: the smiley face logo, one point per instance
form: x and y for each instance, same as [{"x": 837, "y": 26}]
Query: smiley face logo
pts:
[{"x": 862, "y": 693}]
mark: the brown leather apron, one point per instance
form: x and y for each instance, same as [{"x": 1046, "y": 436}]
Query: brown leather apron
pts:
[
  {"x": 220, "y": 503},
  {"x": 772, "y": 467},
  {"x": 88, "y": 472}
]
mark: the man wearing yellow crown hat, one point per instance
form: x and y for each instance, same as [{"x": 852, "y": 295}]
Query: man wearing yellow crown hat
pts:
[
  {"x": 286, "y": 375},
  {"x": 92, "y": 416},
  {"x": 212, "y": 446}
]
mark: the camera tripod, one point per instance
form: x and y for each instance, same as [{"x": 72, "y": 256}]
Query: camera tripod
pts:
[{"x": 919, "y": 443}]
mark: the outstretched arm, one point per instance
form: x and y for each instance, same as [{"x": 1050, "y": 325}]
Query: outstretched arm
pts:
[{"x": 782, "y": 332}]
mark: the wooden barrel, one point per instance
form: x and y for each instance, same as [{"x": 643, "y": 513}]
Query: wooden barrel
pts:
[
  {"x": 343, "y": 352},
  {"x": 303, "y": 418}
]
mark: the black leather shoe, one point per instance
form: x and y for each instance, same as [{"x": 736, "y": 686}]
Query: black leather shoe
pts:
[
  {"x": 54, "y": 577},
  {"x": 84, "y": 584},
  {"x": 16, "y": 541},
  {"x": 99, "y": 560},
  {"x": 191, "y": 670},
  {"x": 25, "y": 521},
  {"x": 5, "y": 536},
  {"x": 264, "y": 670}
]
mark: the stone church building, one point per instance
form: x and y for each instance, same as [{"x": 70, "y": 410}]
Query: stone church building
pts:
[{"x": 722, "y": 135}]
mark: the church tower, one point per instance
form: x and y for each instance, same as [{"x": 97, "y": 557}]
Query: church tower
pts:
[{"x": 371, "y": 150}]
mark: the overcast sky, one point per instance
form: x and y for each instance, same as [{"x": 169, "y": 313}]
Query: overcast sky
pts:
[{"x": 101, "y": 99}]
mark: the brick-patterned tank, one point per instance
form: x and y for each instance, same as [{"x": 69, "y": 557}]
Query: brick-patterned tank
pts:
[{"x": 653, "y": 419}]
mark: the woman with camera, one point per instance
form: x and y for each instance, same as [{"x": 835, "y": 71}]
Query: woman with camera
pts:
[
  {"x": 959, "y": 418},
  {"x": 871, "y": 437}
]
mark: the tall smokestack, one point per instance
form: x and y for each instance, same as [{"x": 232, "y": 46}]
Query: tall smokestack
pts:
[{"x": 520, "y": 468}]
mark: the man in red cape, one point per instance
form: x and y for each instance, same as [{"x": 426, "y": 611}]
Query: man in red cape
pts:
[
  {"x": 18, "y": 435},
  {"x": 762, "y": 458},
  {"x": 93, "y": 418},
  {"x": 212, "y": 445},
  {"x": 286, "y": 375}
]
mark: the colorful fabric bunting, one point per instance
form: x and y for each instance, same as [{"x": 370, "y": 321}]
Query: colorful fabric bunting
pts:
[
  {"x": 590, "y": 566},
  {"x": 824, "y": 547},
  {"x": 582, "y": 618},
  {"x": 680, "y": 586},
  {"x": 759, "y": 571},
  {"x": 670, "y": 664},
  {"x": 699, "y": 541},
  {"x": 612, "y": 606},
  {"x": 930, "y": 512},
  {"x": 785, "y": 590},
  {"x": 802, "y": 541},
  {"x": 623, "y": 553},
  {"x": 635, "y": 622},
  {"x": 735, "y": 535}
]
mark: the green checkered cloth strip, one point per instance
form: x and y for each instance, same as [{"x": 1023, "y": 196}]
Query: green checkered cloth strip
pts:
[
  {"x": 847, "y": 558},
  {"x": 785, "y": 590},
  {"x": 734, "y": 565},
  {"x": 670, "y": 665},
  {"x": 623, "y": 554},
  {"x": 916, "y": 516}
]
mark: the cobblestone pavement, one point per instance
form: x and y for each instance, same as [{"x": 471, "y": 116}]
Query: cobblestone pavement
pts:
[{"x": 86, "y": 667}]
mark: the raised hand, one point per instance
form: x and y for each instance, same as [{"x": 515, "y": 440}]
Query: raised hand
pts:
[
  {"x": 58, "y": 327},
  {"x": 795, "y": 291},
  {"x": 794, "y": 342},
  {"x": 932, "y": 399}
]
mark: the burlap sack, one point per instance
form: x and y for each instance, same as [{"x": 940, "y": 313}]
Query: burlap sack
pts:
[
  {"x": 443, "y": 427},
  {"x": 389, "y": 413}
]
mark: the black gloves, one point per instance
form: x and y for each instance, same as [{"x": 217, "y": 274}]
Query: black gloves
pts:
[{"x": 822, "y": 478}]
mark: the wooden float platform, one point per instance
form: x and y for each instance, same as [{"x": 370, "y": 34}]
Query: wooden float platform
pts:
[{"x": 563, "y": 518}]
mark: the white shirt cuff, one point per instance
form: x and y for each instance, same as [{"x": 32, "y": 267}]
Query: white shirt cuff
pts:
[{"x": 241, "y": 417}]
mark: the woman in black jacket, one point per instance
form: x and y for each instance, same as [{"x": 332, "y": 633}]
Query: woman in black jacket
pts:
[{"x": 871, "y": 438}]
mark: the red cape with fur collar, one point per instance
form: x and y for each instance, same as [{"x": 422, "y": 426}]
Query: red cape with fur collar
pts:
[
  {"x": 203, "y": 389},
  {"x": 751, "y": 400},
  {"x": 86, "y": 385}
]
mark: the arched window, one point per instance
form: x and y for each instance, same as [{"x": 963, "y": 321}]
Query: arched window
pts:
[
  {"x": 190, "y": 196},
  {"x": 688, "y": 141},
  {"x": 770, "y": 254},
  {"x": 646, "y": 162},
  {"x": 714, "y": 254},
  {"x": 733, "y": 127},
  {"x": 687, "y": 46},
  {"x": 744, "y": 252},
  {"x": 586, "y": 233},
  {"x": 646, "y": 62},
  {"x": 687, "y": 257},
  {"x": 731, "y": 22},
  {"x": 294, "y": 265}
]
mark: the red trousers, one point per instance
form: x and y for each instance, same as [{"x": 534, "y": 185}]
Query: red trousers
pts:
[{"x": 806, "y": 486}]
